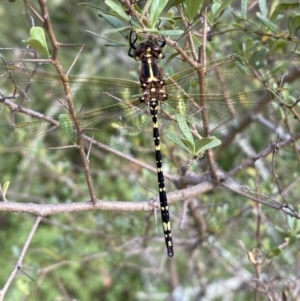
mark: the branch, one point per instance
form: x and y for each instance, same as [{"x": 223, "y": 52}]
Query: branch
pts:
[
  {"x": 18, "y": 265},
  {"x": 100, "y": 205}
]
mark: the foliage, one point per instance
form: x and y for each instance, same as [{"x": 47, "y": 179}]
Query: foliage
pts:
[{"x": 233, "y": 242}]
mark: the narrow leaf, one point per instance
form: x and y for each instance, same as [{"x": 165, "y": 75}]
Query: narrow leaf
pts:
[
  {"x": 112, "y": 20},
  {"x": 117, "y": 8},
  {"x": 292, "y": 239},
  {"x": 184, "y": 128},
  {"x": 156, "y": 9},
  {"x": 244, "y": 9},
  {"x": 170, "y": 4},
  {"x": 220, "y": 10},
  {"x": 207, "y": 143},
  {"x": 285, "y": 96},
  {"x": 263, "y": 7},
  {"x": 190, "y": 145},
  {"x": 176, "y": 140},
  {"x": 192, "y": 8},
  {"x": 283, "y": 7},
  {"x": 171, "y": 32},
  {"x": 294, "y": 24},
  {"x": 113, "y": 42},
  {"x": 267, "y": 22}
]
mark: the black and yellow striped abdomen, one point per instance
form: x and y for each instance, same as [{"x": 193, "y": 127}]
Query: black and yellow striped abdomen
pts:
[{"x": 153, "y": 95}]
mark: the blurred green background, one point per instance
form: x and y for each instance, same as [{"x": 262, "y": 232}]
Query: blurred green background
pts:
[{"x": 121, "y": 256}]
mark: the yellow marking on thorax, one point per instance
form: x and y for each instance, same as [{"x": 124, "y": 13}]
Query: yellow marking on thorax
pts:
[{"x": 152, "y": 78}]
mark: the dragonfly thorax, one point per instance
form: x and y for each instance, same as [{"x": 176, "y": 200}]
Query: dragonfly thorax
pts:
[
  {"x": 151, "y": 75},
  {"x": 148, "y": 49}
]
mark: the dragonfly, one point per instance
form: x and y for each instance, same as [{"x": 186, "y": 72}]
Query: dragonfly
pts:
[{"x": 246, "y": 85}]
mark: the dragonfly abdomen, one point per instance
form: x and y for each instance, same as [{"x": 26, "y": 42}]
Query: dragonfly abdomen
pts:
[{"x": 152, "y": 84}]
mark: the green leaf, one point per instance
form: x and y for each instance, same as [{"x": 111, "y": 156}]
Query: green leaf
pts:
[
  {"x": 190, "y": 145},
  {"x": 274, "y": 253},
  {"x": 282, "y": 7},
  {"x": 283, "y": 233},
  {"x": 220, "y": 9},
  {"x": 292, "y": 240},
  {"x": 37, "y": 40},
  {"x": 113, "y": 42},
  {"x": 170, "y": 4},
  {"x": 206, "y": 143},
  {"x": 117, "y": 8},
  {"x": 176, "y": 140},
  {"x": 244, "y": 9},
  {"x": 263, "y": 7},
  {"x": 66, "y": 124},
  {"x": 294, "y": 24},
  {"x": 293, "y": 223},
  {"x": 284, "y": 96},
  {"x": 267, "y": 22},
  {"x": 156, "y": 9},
  {"x": 192, "y": 8},
  {"x": 185, "y": 129},
  {"x": 171, "y": 32},
  {"x": 247, "y": 45},
  {"x": 88, "y": 5},
  {"x": 112, "y": 20}
]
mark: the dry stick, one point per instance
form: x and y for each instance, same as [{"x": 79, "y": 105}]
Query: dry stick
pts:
[
  {"x": 133, "y": 12},
  {"x": 203, "y": 187},
  {"x": 244, "y": 123},
  {"x": 201, "y": 75},
  {"x": 189, "y": 34},
  {"x": 274, "y": 205},
  {"x": 75, "y": 60},
  {"x": 296, "y": 148},
  {"x": 28, "y": 5},
  {"x": 193, "y": 181},
  {"x": 268, "y": 150},
  {"x": 258, "y": 235},
  {"x": 258, "y": 213},
  {"x": 291, "y": 77},
  {"x": 200, "y": 222},
  {"x": 18, "y": 265},
  {"x": 182, "y": 52},
  {"x": 291, "y": 185},
  {"x": 65, "y": 81},
  {"x": 101, "y": 205},
  {"x": 119, "y": 206},
  {"x": 274, "y": 170}
]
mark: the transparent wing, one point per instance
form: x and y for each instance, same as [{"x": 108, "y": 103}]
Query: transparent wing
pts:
[
  {"x": 245, "y": 85},
  {"x": 107, "y": 109}
]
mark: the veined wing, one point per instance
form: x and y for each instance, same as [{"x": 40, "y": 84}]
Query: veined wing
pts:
[
  {"x": 87, "y": 93},
  {"x": 109, "y": 109},
  {"x": 237, "y": 87}
]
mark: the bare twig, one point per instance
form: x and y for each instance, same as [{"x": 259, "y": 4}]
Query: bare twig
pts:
[
  {"x": 18, "y": 265},
  {"x": 65, "y": 81}
]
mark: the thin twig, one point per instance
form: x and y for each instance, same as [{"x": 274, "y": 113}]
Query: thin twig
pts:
[
  {"x": 18, "y": 265},
  {"x": 65, "y": 82}
]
